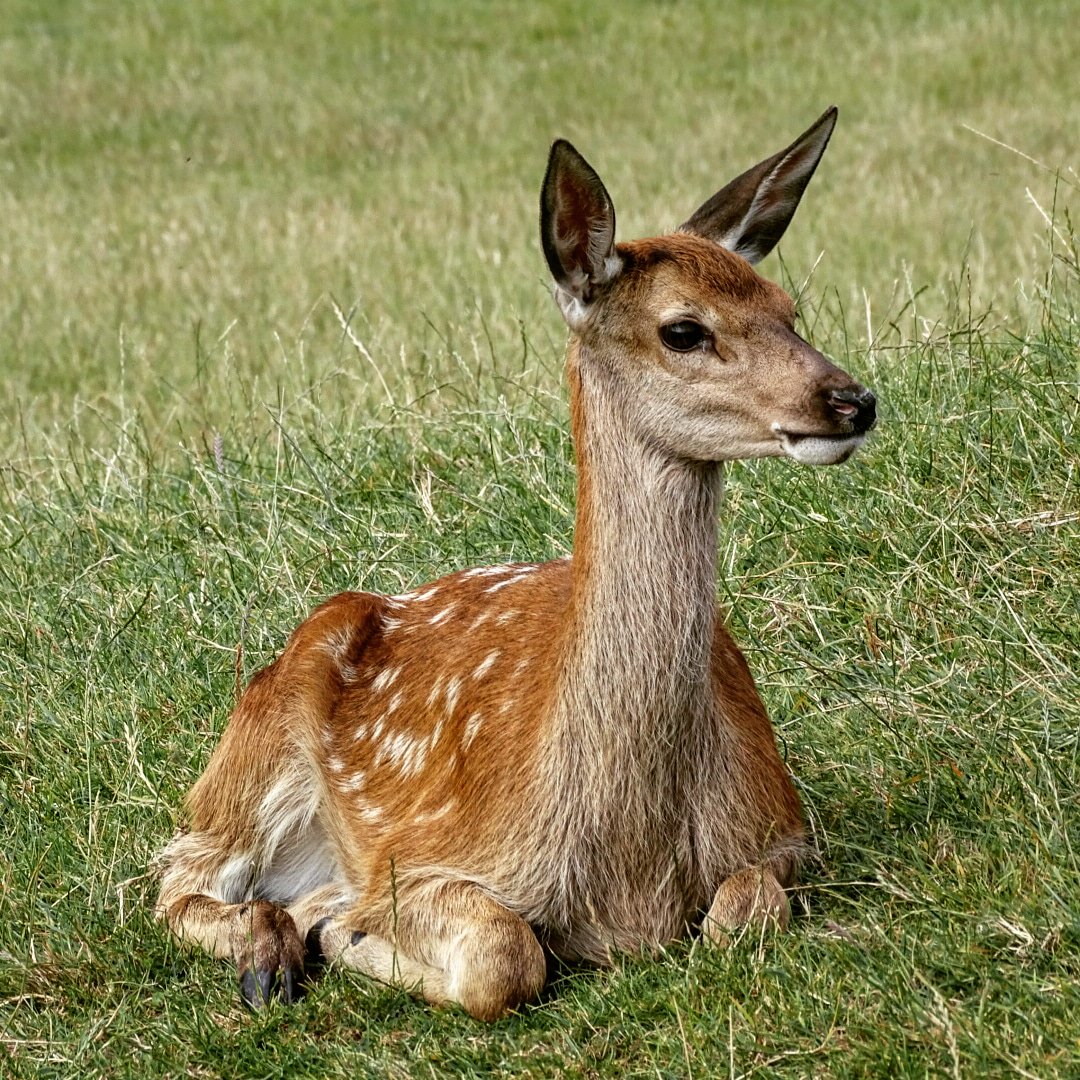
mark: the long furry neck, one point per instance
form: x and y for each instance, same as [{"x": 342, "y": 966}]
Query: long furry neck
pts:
[
  {"x": 635, "y": 664},
  {"x": 633, "y": 694}
]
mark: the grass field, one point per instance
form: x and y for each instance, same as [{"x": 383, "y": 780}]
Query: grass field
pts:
[{"x": 194, "y": 453}]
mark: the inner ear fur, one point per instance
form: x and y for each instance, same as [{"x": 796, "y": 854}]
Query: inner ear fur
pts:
[
  {"x": 577, "y": 224},
  {"x": 750, "y": 214}
]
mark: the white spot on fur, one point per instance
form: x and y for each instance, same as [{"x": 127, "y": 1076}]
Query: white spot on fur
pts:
[
  {"x": 391, "y": 749},
  {"x": 488, "y": 571},
  {"x": 335, "y": 764},
  {"x": 354, "y": 782},
  {"x": 500, "y": 584},
  {"x": 377, "y": 730},
  {"x": 481, "y": 618},
  {"x": 372, "y": 814},
  {"x": 506, "y": 616},
  {"x": 434, "y": 815},
  {"x": 453, "y": 688},
  {"x": 336, "y": 644},
  {"x": 399, "y": 599},
  {"x": 414, "y": 758},
  {"x": 403, "y": 752},
  {"x": 506, "y": 706},
  {"x": 442, "y": 615},
  {"x": 521, "y": 665},
  {"x": 485, "y": 665},
  {"x": 385, "y": 679},
  {"x": 361, "y": 732},
  {"x": 436, "y": 689},
  {"x": 472, "y": 726},
  {"x": 394, "y": 703},
  {"x": 391, "y": 623}
]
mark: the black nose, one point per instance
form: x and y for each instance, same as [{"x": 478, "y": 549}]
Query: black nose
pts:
[{"x": 859, "y": 406}]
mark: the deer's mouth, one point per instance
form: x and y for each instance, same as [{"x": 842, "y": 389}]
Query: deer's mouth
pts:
[{"x": 813, "y": 449}]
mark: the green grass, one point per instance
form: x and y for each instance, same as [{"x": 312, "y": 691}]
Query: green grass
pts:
[{"x": 194, "y": 454}]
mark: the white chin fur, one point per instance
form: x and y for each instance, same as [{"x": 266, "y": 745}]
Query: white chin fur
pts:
[{"x": 812, "y": 451}]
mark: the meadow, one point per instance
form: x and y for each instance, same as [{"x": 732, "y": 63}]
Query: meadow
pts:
[{"x": 274, "y": 322}]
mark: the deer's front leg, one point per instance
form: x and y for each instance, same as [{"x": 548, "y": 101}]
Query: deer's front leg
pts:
[
  {"x": 751, "y": 897},
  {"x": 450, "y": 942},
  {"x": 261, "y": 937}
]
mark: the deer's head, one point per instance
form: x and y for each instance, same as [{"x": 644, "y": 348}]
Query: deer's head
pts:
[{"x": 701, "y": 350}]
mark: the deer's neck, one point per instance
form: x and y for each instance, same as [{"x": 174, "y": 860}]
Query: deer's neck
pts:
[{"x": 634, "y": 678}]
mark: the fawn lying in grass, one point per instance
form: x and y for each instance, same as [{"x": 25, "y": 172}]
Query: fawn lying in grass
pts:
[{"x": 437, "y": 787}]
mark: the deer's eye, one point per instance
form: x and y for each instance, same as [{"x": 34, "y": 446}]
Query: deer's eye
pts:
[{"x": 683, "y": 336}]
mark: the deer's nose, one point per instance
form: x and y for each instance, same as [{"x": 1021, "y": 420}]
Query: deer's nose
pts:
[{"x": 858, "y": 406}]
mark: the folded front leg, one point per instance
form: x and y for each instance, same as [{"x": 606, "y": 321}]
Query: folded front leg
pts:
[
  {"x": 448, "y": 941},
  {"x": 751, "y": 897}
]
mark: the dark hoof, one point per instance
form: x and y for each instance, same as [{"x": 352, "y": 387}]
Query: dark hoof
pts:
[
  {"x": 313, "y": 940},
  {"x": 251, "y": 992},
  {"x": 292, "y": 985},
  {"x": 317, "y": 952},
  {"x": 289, "y": 986},
  {"x": 269, "y": 953},
  {"x": 257, "y": 988}
]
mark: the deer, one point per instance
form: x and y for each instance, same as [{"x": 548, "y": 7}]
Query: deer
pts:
[{"x": 449, "y": 788}]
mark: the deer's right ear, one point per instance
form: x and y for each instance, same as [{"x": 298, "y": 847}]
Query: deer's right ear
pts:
[{"x": 577, "y": 229}]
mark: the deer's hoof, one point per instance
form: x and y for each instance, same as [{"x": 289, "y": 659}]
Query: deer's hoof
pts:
[
  {"x": 269, "y": 955},
  {"x": 260, "y": 988}
]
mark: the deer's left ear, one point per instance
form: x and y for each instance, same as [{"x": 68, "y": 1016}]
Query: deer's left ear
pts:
[
  {"x": 750, "y": 214},
  {"x": 577, "y": 230}
]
